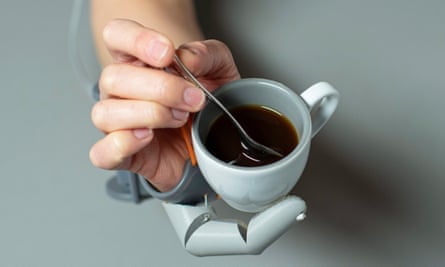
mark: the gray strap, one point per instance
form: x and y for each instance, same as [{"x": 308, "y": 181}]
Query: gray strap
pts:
[
  {"x": 125, "y": 186},
  {"x": 191, "y": 189}
]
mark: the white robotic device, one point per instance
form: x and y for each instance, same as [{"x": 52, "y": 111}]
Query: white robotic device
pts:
[
  {"x": 198, "y": 227},
  {"x": 202, "y": 233}
]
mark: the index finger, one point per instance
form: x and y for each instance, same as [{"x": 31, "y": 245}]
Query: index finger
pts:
[{"x": 130, "y": 41}]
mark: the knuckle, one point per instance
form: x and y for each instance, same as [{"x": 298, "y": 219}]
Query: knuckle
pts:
[
  {"x": 98, "y": 113},
  {"x": 107, "y": 31},
  {"x": 99, "y": 158},
  {"x": 107, "y": 78},
  {"x": 113, "y": 27},
  {"x": 96, "y": 160}
]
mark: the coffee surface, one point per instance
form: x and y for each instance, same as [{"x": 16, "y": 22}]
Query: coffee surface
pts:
[{"x": 263, "y": 124}]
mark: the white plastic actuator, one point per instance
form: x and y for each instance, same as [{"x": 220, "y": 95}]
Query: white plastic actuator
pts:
[{"x": 203, "y": 234}]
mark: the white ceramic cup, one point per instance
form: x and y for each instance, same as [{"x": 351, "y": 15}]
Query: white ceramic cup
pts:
[{"x": 253, "y": 189}]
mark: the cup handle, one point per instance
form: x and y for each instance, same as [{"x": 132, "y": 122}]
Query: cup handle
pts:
[{"x": 322, "y": 100}]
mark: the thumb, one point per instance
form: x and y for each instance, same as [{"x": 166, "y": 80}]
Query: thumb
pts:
[{"x": 210, "y": 61}]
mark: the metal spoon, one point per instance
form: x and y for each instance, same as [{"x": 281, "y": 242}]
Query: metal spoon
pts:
[{"x": 246, "y": 140}]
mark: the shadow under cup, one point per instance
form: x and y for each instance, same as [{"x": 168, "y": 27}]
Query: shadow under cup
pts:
[{"x": 253, "y": 189}]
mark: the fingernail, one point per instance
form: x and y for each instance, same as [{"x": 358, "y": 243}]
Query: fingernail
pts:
[
  {"x": 142, "y": 133},
  {"x": 157, "y": 50},
  {"x": 194, "y": 97},
  {"x": 180, "y": 115}
]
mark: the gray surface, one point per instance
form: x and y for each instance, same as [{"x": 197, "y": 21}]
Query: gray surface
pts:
[{"x": 375, "y": 184}]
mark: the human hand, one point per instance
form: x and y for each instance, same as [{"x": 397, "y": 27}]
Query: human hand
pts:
[{"x": 142, "y": 107}]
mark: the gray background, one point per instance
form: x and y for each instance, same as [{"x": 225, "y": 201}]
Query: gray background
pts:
[{"x": 374, "y": 184}]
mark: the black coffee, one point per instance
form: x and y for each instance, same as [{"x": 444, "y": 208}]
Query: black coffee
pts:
[{"x": 264, "y": 125}]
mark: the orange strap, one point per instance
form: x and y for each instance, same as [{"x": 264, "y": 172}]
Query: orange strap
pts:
[{"x": 186, "y": 131}]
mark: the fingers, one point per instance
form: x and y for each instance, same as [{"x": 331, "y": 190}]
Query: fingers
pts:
[
  {"x": 137, "y": 97},
  {"x": 118, "y": 114},
  {"x": 129, "y": 41},
  {"x": 131, "y": 82},
  {"x": 139, "y": 151},
  {"x": 115, "y": 150}
]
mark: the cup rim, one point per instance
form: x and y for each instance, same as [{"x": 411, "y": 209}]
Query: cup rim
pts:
[{"x": 304, "y": 137}]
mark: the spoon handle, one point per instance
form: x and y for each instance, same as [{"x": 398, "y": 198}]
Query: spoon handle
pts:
[{"x": 190, "y": 77}]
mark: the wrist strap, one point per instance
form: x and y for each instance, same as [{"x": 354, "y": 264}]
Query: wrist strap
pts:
[{"x": 191, "y": 189}]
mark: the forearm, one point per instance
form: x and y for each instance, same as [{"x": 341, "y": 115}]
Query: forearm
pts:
[{"x": 174, "y": 18}]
